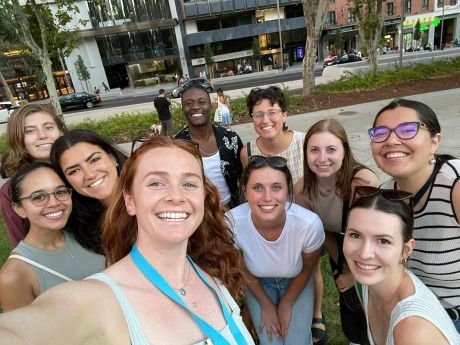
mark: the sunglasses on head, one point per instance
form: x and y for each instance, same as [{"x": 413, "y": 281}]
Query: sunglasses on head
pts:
[
  {"x": 274, "y": 161},
  {"x": 404, "y": 131},
  {"x": 389, "y": 194}
]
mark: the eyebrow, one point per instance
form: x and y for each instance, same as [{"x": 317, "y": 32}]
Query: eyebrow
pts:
[
  {"x": 43, "y": 191},
  {"x": 86, "y": 160},
  {"x": 165, "y": 173},
  {"x": 43, "y": 124}
]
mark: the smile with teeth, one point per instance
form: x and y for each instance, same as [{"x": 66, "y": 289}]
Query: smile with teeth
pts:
[
  {"x": 396, "y": 155},
  {"x": 96, "y": 183},
  {"x": 323, "y": 166},
  {"x": 55, "y": 214},
  {"x": 44, "y": 146},
  {"x": 267, "y": 207},
  {"x": 366, "y": 267},
  {"x": 197, "y": 115},
  {"x": 172, "y": 216}
]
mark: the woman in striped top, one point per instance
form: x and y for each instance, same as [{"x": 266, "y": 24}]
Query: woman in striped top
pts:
[{"x": 405, "y": 138}]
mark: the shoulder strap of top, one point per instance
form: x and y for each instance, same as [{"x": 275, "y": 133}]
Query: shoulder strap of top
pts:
[
  {"x": 248, "y": 148},
  {"x": 42, "y": 267}
]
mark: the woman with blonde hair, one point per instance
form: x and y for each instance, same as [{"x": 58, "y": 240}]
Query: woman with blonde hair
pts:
[
  {"x": 30, "y": 133},
  {"x": 172, "y": 258}
]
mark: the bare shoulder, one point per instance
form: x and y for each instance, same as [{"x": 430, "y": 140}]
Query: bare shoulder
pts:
[
  {"x": 366, "y": 177},
  {"x": 299, "y": 197},
  {"x": 244, "y": 156},
  {"x": 18, "y": 285},
  {"x": 417, "y": 330},
  {"x": 78, "y": 312}
]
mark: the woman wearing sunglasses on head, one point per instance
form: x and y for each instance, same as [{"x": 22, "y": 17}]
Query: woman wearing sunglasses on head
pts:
[
  {"x": 405, "y": 138},
  {"x": 280, "y": 242},
  {"x": 49, "y": 254},
  {"x": 399, "y": 308},
  {"x": 331, "y": 173}
]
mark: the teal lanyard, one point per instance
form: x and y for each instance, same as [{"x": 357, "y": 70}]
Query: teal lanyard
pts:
[{"x": 158, "y": 281}]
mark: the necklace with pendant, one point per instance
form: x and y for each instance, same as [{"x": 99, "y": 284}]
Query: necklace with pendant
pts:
[
  {"x": 381, "y": 305},
  {"x": 182, "y": 290}
]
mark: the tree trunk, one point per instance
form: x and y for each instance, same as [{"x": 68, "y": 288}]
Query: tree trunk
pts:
[
  {"x": 373, "y": 60},
  {"x": 7, "y": 90},
  {"x": 308, "y": 64},
  {"x": 52, "y": 92}
]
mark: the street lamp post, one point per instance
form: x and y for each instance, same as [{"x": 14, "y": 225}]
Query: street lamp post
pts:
[
  {"x": 442, "y": 25},
  {"x": 401, "y": 35},
  {"x": 281, "y": 36}
]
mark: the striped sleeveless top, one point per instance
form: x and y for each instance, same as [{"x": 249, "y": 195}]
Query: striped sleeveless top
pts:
[{"x": 436, "y": 257}]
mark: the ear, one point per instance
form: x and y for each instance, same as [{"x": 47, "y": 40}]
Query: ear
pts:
[
  {"x": 408, "y": 249},
  {"x": 129, "y": 203},
  {"x": 19, "y": 210},
  {"x": 285, "y": 114},
  {"x": 435, "y": 142}
]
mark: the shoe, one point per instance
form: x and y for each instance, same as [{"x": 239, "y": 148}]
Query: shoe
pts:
[{"x": 318, "y": 333}]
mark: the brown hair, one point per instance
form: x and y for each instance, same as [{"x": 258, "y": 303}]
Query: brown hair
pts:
[
  {"x": 346, "y": 171},
  {"x": 212, "y": 245},
  {"x": 17, "y": 154}
]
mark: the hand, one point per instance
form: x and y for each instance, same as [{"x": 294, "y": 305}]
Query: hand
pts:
[
  {"x": 345, "y": 281},
  {"x": 284, "y": 316},
  {"x": 269, "y": 320}
]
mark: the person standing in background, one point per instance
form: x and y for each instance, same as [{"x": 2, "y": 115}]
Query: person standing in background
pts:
[{"x": 162, "y": 105}]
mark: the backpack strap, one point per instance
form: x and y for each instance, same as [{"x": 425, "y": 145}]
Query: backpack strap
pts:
[
  {"x": 36, "y": 264},
  {"x": 248, "y": 148}
]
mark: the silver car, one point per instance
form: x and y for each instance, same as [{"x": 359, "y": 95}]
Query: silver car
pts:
[{"x": 5, "y": 109}]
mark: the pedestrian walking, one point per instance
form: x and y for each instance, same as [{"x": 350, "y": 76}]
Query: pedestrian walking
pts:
[
  {"x": 162, "y": 105},
  {"x": 106, "y": 88}
]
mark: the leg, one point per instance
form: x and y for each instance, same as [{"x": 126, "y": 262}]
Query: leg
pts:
[
  {"x": 301, "y": 317},
  {"x": 163, "y": 127},
  {"x": 318, "y": 326},
  {"x": 270, "y": 287},
  {"x": 168, "y": 124}
]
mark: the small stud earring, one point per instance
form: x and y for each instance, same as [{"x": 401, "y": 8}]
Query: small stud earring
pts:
[
  {"x": 403, "y": 261},
  {"x": 432, "y": 160},
  {"x": 116, "y": 164}
]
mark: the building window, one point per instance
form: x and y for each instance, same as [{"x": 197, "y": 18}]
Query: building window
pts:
[
  {"x": 425, "y": 4},
  {"x": 408, "y": 6},
  {"x": 351, "y": 17},
  {"x": 440, "y": 3},
  {"x": 330, "y": 19},
  {"x": 390, "y": 9},
  {"x": 453, "y": 2}
]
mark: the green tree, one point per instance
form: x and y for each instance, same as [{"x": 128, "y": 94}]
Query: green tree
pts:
[
  {"x": 42, "y": 31},
  {"x": 83, "y": 73},
  {"x": 417, "y": 33},
  {"x": 256, "y": 53},
  {"x": 368, "y": 14},
  {"x": 208, "y": 59},
  {"x": 338, "y": 41},
  {"x": 314, "y": 12}
]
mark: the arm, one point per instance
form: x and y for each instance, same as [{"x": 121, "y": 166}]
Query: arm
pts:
[
  {"x": 269, "y": 316},
  {"x": 456, "y": 200},
  {"x": 18, "y": 285},
  {"x": 13, "y": 222},
  {"x": 294, "y": 289},
  {"x": 417, "y": 330},
  {"x": 244, "y": 156},
  {"x": 300, "y": 198},
  {"x": 364, "y": 177}
]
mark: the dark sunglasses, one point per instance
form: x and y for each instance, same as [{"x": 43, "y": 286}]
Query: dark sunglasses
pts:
[
  {"x": 389, "y": 194},
  {"x": 404, "y": 131},
  {"x": 274, "y": 161}
]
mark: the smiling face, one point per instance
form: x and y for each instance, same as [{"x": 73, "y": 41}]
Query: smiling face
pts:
[
  {"x": 90, "y": 171},
  {"x": 40, "y": 132},
  {"x": 324, "y": 154},
  {"x": 267, "y": 127},
  {"x": 267, "y": 194},
  {"x": 196, "y": 107},
  {"x": 167, "y": 199},
  {"x": 373, "y": 245},
  {"x": 404, "y": 158},
  {"x": 54, "y": 214}
]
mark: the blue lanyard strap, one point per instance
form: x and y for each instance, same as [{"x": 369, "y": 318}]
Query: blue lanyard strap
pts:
[{"x": 158, "y": 281}]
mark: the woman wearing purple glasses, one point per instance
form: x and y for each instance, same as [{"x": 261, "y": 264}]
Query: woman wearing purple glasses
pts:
[
  {"x": 280, "y": 243},
  {"x": 405, "y": 138}
]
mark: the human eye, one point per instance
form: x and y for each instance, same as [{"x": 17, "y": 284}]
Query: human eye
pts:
[
  {"x": 258, "y": 115},
  {"x": 272, "y": 112},
  {"x": 61, "y": 191},
  {"x": 277, "y": 187},
  {"x": 314, "y": 149},
  {"x": 95, "y": 159},
  {"x": 331, "y": 149},
  {"x": 29, "y": 131},
  {"x": 72, "y": 172},
  {"x": 37, "y": 197},
  {"x": 49, "y": 127},
  {"x": 383, "y": 241},
  {"x": 380, "y": 132},
  {"x": 257, "y": 188},
  {"x": 353, "y": 234},
  {"x": 190, "y": 185},
  {"x": 156, "y": 184}
]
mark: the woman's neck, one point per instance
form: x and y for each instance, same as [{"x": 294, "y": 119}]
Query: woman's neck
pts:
[
  {"x": 415, "y": 182},
  {"x": 46, "y": 239},
  {"x": 326, "y": 184},
  {"x": 275, "y": 145},
  {"x": 387, "y": 294},
  {"x": 270, "y": 230}
]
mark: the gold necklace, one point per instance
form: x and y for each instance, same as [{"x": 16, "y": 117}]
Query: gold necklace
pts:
[{"x": 381, "y": 305}]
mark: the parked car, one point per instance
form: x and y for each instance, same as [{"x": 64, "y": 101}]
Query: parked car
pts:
[
  {"x": 177, "y": 92},
  {"x": 79, "y": 99},
  {"x": 347, "y": 58},
  {"x": 5, "y": 110}
]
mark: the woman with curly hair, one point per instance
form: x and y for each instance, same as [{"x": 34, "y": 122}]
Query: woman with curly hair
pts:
[
  {"x": 30, "y": 133},
  {"x": 172, "y": 258}
]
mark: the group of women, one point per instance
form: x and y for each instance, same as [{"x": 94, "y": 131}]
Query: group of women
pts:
[{"x": 174, "y": 258}]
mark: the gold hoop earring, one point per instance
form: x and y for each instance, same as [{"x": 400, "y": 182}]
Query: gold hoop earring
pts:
[{"x": 403, "y": 261}]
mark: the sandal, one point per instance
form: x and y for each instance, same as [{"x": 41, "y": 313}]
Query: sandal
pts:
[{"x": 318, "y": 333}]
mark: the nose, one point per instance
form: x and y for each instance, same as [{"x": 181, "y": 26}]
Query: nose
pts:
[
  {"x": 392, "y": 138},
  {"x": 41, "y": 133},
  {"x": 52, "y": 200},
  {"x": 366, "y": 251},
  {"x": 267, "y": 195},
  {"x": 322, "y": 156},
  {"x": 89, "y": 172},
  {"x": 175, "y": 194}
]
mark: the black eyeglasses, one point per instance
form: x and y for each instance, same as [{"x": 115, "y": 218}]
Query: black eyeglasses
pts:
[
  {"x": 273, "y": 161},
  {"x": 389, "y": 194},
  {"x": 42, "y": 198},
  {"x": 404, "y": 131}
]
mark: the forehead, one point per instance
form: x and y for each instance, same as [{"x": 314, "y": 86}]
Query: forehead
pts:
[
  {"x": 394, "y": 117},
  {"x": 195, "y": 94},
  {"x": 267, "y": 175},
  {"x": 374, "y": 222},
  {"x": 325, "y": 139},
  {"x": 159, "y": 160},
  {"x": 40, "y": 178},
  {"x": 265, "y": 103},
  {"x": 38, "y": 118}
]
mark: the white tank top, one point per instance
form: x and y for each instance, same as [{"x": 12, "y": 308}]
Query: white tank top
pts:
[{"x": 213, "y": 171}]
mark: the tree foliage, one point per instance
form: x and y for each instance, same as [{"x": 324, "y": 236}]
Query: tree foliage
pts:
[
  {"x": 338, "y": 41},
  {"x": 314, "y": 12},
  {"x": 368, "y": 14},
  {"x": 208, "y": 57},
  {"x": 417, "y": 31},
  {"x": 256, "y": 53}
]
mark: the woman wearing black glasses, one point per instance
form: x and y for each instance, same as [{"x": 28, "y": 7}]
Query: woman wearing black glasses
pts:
[
  {"x": 49, "y": 255},
  {"x": 405, "y": 138},
  {"x": 280, "y": 243},
  {"x": 399, "y": 308}
]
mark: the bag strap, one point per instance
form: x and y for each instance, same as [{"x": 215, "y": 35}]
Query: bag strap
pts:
[
  {"x": 36, "y": 264},
  {"x": 248, "y": 148},
  {"x": 360, "y": 292}
]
